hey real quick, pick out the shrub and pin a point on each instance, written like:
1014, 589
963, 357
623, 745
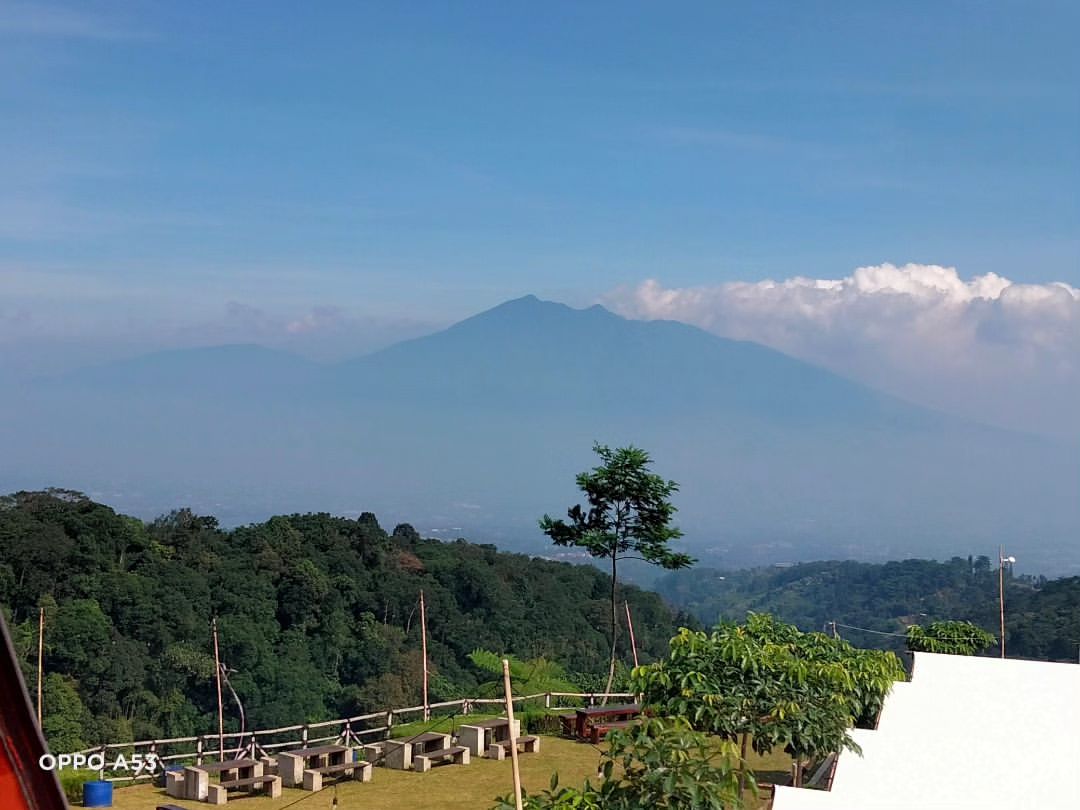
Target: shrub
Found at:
540, 722
656, 765
71, 782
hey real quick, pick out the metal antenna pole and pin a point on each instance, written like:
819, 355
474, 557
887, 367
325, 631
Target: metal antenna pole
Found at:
1001, 594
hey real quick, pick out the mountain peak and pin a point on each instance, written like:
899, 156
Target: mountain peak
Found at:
532, 307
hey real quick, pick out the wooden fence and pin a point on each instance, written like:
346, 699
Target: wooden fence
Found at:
353, 731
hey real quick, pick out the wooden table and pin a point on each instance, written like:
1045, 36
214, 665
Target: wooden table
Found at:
594, 714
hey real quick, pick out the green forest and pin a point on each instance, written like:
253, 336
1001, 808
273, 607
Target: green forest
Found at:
1042, 616
318, 616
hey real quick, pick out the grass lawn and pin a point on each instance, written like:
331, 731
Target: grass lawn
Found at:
447, 787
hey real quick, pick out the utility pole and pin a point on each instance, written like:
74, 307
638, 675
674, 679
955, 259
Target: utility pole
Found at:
1002, 559
220, 707
423, 650
40, 659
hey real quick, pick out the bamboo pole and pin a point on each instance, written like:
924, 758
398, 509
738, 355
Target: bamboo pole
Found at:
423, 650
513, 735
40, 660
630, 626
220, 708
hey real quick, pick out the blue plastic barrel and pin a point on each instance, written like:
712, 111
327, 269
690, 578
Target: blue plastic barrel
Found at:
97, 794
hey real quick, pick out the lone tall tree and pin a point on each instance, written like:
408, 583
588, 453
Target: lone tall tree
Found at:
628, 515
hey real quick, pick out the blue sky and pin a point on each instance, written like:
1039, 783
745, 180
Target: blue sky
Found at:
174, 167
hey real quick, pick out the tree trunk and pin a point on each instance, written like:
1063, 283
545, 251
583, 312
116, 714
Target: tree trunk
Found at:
742, 764
614, 630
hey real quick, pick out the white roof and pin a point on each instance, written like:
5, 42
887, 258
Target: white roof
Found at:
963, 733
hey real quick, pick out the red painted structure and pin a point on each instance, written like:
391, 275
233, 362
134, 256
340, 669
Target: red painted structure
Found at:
23, 783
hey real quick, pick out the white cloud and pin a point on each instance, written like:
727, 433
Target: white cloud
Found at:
986, 346
318, 319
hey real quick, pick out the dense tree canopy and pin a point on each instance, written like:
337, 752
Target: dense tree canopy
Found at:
768, 682
1042, 617
317, 615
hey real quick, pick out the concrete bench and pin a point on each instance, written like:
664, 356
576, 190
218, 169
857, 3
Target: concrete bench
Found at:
271, 785
458, 754
527, 745
313, 777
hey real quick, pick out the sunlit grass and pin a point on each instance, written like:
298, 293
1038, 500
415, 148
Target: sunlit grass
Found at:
449, 787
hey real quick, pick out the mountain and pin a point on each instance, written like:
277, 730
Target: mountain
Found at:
481, 427
540, 355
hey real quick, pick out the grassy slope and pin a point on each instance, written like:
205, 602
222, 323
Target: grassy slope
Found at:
444, 788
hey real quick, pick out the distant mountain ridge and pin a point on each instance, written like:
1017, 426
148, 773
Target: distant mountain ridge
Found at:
484, 424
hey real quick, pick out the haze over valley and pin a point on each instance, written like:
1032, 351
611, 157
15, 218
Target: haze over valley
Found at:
478, 429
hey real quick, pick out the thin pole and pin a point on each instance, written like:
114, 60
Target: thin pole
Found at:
630, 625
220, 708
40, 659
1001, 594
423, 649
513, 735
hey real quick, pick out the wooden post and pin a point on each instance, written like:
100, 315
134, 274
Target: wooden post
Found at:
423, 650
630, 626
40, 658
513, 735
220, 707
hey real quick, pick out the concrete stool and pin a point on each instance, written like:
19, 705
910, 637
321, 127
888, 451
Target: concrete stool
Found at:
274, 790
216, 794
174, 784
291, 769
196, 783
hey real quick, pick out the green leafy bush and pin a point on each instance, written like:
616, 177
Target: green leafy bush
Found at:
953, 638
541, 721
655, 765
71, 782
